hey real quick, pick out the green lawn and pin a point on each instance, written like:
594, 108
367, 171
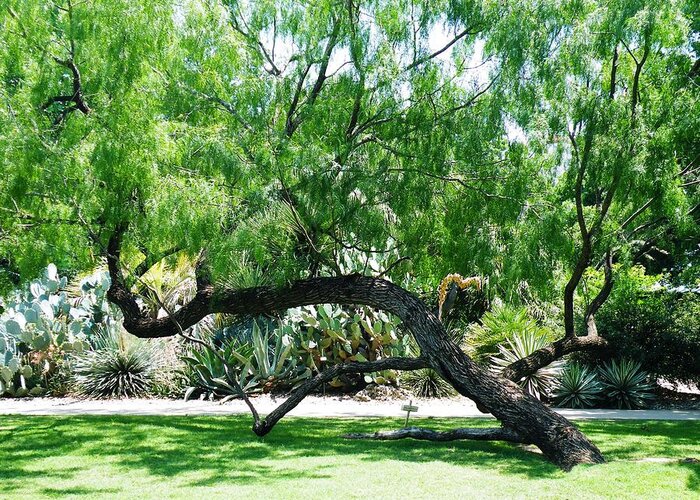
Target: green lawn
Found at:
205, 457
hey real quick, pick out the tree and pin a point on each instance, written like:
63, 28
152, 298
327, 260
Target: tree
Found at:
272, 139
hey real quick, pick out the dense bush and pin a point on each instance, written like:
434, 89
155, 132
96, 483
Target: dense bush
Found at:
655, 325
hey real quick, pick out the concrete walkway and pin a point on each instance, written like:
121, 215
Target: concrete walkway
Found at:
312, 406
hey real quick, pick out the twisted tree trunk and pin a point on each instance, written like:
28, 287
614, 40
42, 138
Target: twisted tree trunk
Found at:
560, 441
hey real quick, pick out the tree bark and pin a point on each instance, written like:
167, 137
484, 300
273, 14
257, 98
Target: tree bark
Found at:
493, 434
546, 355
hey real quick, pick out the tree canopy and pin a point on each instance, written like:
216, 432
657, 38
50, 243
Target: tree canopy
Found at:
280, 135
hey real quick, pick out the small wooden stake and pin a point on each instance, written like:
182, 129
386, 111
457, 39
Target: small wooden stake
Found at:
408, 409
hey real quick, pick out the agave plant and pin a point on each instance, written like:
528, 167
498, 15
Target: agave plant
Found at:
117, 366
519, 346
274, 366
221, 371
249, 367
625, 385
578, 387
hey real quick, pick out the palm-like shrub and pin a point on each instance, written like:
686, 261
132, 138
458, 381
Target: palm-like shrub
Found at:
540, 383
117, 366
426, 383
497, 327
578, 387
625, 384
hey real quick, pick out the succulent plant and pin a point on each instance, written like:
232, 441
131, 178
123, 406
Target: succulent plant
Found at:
117, 366
578, 387
538, 384
43, 321
625, 384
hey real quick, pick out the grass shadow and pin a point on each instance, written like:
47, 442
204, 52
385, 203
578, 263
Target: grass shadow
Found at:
224, 449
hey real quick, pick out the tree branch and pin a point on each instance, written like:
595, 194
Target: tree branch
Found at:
494, 434
404, 364
543, 357
466, 31
602, 296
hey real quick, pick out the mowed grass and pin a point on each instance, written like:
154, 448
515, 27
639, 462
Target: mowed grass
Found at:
219, 457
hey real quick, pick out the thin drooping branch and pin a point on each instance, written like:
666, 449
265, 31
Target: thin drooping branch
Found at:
469, 30
613, 73
493, 434
293, 114
255, 44
637, 213
635, 84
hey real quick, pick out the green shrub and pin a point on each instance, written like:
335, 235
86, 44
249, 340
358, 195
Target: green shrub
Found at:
578, 387
521, 345
118, 366
658, 327
497, 327
625, 385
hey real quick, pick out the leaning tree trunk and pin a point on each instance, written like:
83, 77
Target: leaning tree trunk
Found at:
559, 439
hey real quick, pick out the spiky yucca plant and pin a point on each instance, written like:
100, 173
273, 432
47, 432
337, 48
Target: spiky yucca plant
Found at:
578, 387
519, 346
625, 384
426, 383
116, 367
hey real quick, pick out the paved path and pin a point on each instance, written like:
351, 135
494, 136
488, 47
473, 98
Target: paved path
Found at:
311, 407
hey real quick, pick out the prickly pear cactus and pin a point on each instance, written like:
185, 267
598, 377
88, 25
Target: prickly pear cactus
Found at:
43, 322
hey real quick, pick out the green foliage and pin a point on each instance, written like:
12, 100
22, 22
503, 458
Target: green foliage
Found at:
117, 367
279, 165
521, 345
500, 325
426, 383
625, 384
577, 387
201, 138
646, 321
